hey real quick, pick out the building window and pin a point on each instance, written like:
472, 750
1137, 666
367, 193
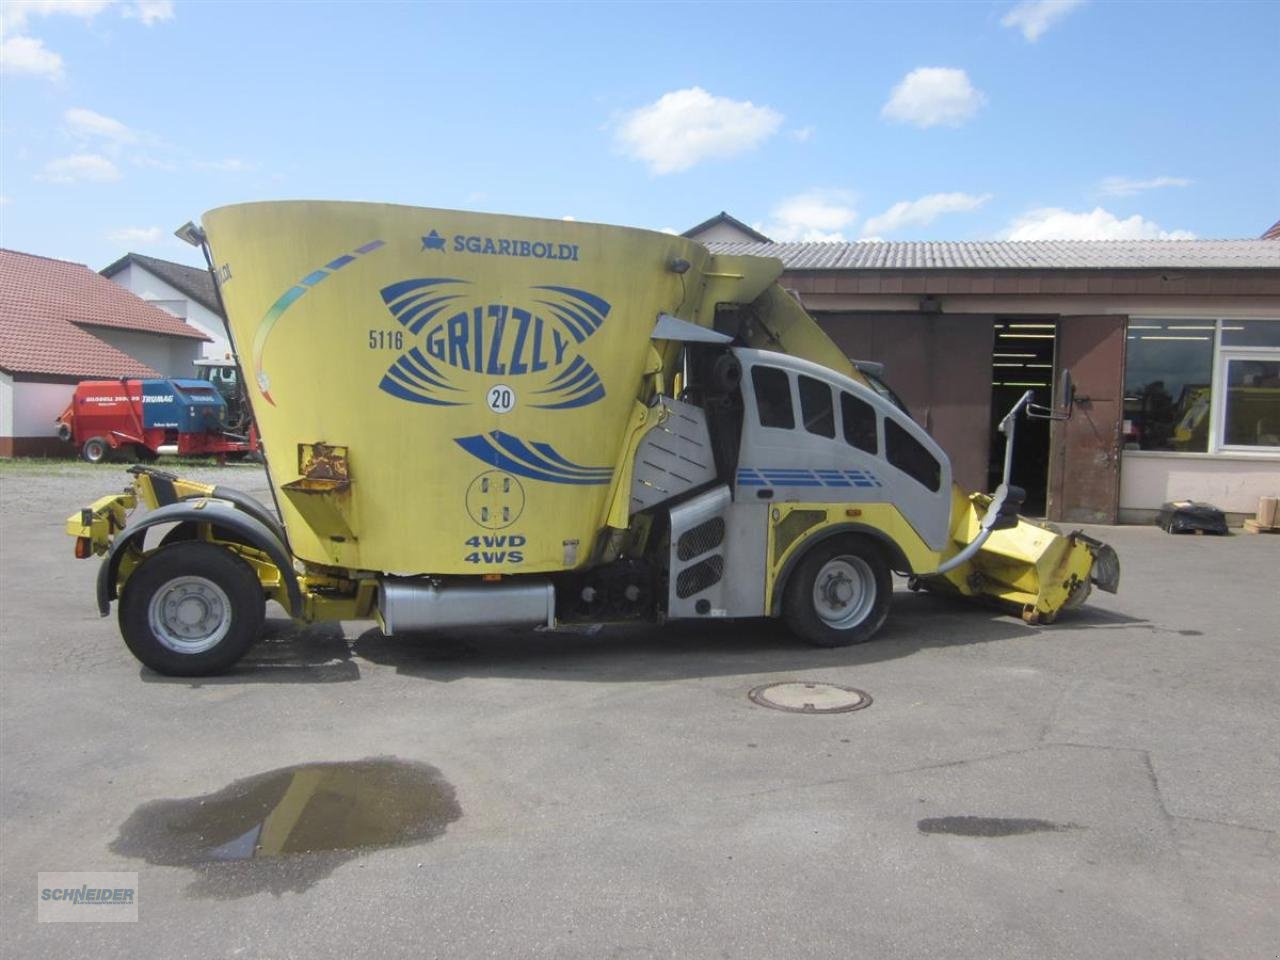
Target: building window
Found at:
773, 397
1202, 386
1251, 402
1167, 380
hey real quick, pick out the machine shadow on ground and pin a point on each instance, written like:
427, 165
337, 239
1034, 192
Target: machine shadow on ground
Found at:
321, 653
288, 652
680, 651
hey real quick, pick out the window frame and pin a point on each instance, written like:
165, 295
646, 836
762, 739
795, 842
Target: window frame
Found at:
1216, 447
1218, 408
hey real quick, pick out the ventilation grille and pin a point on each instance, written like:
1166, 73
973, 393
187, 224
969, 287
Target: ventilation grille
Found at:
790, 529
703, 574
698, 540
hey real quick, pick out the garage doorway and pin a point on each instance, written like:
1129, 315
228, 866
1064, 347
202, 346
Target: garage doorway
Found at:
1022, 359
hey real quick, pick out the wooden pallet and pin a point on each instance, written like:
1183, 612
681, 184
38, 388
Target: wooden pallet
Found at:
1253, 526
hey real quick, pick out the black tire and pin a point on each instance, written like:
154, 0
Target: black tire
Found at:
844, 572
144, 454
95, 450
64, 432
184, 581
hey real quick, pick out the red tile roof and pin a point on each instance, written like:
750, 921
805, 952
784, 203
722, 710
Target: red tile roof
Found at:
48, 309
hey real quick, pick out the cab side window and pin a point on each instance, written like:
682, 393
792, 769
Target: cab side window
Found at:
773, 397
816, 408
859, 423
909, 455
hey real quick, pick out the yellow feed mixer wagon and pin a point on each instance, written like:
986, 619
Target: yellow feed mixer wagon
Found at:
473, 420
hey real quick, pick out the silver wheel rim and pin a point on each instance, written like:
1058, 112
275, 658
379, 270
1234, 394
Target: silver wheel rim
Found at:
844, 592
189, 614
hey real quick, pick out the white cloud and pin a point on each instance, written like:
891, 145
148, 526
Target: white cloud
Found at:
570, 217
801, 134
86, 125
27, 55
934, 96
1127, 187
813, 215
22, 54
685, 127
1053, 223
149, 11
136, 235
5, 200
1035, 17
917, 213
14, 14
671, 230
78, 167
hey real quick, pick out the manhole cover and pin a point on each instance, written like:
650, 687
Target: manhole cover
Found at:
801, 696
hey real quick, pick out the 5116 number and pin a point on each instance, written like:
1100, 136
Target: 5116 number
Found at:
386, 339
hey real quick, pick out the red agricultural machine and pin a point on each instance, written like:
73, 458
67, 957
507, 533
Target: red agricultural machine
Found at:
144, 418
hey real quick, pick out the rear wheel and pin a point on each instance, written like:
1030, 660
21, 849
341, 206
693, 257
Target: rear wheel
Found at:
840, 593
191, 609
94, 450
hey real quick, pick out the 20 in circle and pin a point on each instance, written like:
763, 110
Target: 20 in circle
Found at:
501, 398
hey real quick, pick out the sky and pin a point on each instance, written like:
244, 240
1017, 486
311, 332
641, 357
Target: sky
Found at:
120, 121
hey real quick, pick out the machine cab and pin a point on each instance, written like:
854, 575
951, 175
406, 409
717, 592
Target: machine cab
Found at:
812, 435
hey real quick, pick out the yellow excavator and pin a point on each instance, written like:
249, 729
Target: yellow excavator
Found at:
473, 420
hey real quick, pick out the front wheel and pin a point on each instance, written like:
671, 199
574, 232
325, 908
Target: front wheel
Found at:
191, 609
840, 593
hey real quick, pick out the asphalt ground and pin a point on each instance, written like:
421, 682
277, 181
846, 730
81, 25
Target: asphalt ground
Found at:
1104, 787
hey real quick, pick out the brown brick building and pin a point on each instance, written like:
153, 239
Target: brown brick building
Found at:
1174, 347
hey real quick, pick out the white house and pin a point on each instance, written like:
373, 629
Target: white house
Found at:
61, 323
186, 292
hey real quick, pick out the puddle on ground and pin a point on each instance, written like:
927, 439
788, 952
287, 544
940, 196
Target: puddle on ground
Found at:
990, 826
285, 829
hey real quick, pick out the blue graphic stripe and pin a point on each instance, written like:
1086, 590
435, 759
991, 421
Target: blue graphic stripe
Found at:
397, 390
599, 307
411, 317
567, 371
483, 449
582, 401
589, 384
406, 369
796, 477
397, 290
516, 447
586, 372
578, 330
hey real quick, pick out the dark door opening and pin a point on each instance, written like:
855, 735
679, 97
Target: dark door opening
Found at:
1022, 360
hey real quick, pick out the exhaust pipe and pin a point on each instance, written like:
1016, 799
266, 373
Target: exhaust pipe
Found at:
407, 605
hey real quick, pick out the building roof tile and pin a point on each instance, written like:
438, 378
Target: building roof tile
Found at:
49, 308
195, 282
1017, 255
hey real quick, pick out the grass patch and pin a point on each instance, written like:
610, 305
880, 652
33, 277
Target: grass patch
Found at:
66, 467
